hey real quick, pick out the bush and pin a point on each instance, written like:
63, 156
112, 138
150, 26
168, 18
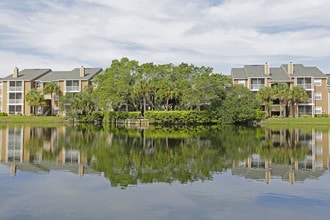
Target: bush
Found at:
169, 117
182, 117
3, 114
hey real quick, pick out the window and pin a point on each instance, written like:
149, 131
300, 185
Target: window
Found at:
0, 97
15, 97
306, 83
72, 86
317, 82
38, 84
256, 84
318, 109
318, 96
241, 82
15, 86
15, 109
1, 83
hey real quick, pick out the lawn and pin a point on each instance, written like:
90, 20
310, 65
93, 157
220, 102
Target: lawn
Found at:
31, 119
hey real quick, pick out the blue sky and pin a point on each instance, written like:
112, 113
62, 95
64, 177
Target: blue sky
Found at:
65, 34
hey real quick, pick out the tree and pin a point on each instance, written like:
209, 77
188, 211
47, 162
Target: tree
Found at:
114, 87
78, 103
265, 95
34, 98
282, 93
240, 106
51, 88
297, 94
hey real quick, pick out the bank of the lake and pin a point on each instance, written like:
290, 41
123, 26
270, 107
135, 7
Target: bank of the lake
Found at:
32, 119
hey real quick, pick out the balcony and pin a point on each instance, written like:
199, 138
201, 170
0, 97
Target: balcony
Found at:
256, 87
307, 86
72, 88
18, 89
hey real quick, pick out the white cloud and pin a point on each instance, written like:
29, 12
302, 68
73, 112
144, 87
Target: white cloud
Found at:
221, 34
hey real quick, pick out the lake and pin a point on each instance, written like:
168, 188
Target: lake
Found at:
226, 172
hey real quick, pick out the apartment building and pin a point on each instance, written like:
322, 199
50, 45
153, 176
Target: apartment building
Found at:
311, 79
14, 88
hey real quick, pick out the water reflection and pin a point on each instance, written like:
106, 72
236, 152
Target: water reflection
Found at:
130, 157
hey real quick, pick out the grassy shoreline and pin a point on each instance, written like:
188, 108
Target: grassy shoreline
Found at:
32, 119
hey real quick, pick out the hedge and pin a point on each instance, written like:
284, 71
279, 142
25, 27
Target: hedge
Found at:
169, 117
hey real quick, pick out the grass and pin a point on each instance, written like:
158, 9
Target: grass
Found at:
31, 119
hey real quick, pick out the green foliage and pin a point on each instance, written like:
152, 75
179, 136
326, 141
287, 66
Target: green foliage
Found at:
181, 117
240, 106
128, 86
3, 114
34, 98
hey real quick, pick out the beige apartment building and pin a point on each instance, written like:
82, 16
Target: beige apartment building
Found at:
311, 79
14, 88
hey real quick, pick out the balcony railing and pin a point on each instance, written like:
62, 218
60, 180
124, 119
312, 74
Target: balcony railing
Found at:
16, 88
305, 85
15, 101
72, 88
256, 86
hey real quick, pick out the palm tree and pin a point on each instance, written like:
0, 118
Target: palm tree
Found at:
265, 95
282, 92
51, 88
34, 98
298, 94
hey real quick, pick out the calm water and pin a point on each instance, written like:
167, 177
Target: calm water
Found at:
164, 173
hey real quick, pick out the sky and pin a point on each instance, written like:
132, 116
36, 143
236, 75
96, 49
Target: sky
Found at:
222, 34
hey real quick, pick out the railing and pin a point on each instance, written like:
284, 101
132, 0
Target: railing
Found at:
256, 86
72, 88
16, 88
15, 101
305, 85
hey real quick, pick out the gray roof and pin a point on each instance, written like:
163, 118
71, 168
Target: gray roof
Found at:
70, 75
255, 71
28, 74
301, 70
277, 75
238, 73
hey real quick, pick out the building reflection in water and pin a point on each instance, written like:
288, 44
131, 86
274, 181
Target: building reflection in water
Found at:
299, 156
292, 156
37, 150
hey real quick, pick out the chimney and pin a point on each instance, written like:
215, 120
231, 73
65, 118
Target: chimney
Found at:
290, 68
82, 71
266, 68
15, 73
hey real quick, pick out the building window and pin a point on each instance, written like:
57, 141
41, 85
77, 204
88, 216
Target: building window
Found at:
306, 83
317, 82
72, 86
1, 83
318, 109
0, 97
318, 96
15, 109
15, 98
15, 86
38, 84
257, 84
241, 82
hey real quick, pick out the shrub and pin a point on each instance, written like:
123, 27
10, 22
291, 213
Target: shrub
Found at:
3, 114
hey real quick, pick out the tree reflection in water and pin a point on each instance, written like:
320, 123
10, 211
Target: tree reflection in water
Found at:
176, 154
